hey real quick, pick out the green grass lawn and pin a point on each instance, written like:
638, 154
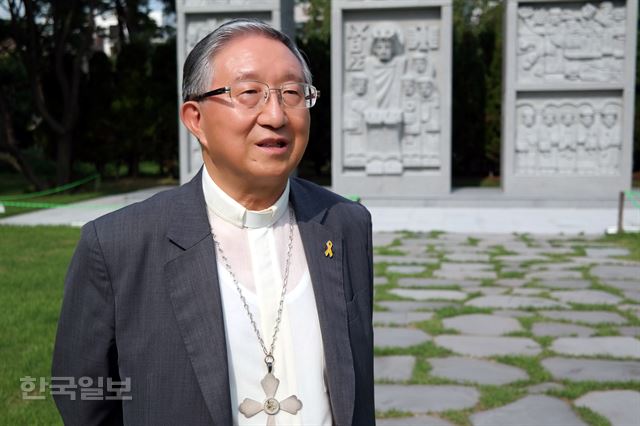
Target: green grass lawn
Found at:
33, 262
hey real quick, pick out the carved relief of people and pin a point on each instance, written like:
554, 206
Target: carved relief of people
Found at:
384, 67
526, 140
419, 65
429, 121
568, 139
411, 138
610, 140
548, 140
571, 43
355, 103
587, 141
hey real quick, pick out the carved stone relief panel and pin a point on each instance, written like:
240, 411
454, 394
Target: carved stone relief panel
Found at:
391, 101
571, 42
197, 29
563, 135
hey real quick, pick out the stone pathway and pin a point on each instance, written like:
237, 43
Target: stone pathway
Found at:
505, 330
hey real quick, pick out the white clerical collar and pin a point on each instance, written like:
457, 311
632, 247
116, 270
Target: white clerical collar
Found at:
228, 209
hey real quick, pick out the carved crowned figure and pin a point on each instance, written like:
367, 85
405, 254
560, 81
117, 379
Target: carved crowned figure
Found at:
384, 67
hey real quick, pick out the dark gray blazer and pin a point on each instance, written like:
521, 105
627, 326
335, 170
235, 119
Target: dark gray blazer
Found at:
141, 300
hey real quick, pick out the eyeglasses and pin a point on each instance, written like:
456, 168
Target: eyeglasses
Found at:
255, 94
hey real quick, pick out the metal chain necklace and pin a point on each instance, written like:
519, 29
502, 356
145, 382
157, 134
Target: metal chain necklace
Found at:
271, 406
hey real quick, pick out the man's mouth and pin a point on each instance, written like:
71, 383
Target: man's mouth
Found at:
272, 143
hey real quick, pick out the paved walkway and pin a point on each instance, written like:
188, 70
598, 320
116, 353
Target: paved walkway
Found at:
505, 330
458, 218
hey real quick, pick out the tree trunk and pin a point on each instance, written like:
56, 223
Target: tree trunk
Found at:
63, 163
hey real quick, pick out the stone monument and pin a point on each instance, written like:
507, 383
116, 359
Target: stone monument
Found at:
391, 99
568, 98
196, 19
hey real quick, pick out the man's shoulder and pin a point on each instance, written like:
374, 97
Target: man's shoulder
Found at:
316, 197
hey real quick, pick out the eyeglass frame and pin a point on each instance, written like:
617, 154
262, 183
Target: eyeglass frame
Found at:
227, 89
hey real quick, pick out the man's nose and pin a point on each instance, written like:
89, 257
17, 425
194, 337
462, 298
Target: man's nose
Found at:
272, 113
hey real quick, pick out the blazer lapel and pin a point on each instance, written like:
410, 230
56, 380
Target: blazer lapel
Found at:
328, 285
191, 277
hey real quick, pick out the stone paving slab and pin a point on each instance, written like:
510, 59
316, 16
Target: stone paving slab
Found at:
384, 238
600, 252
532, 410
570, 284
620, 407
632, 295
467, 257
435, 282
581, 370
405, 269
482, 324
553, 266
479, 371
558, 329
380, 281
521, 258
429, 294
425, 398
555, 275
586, 297
486, 290
631, 285
404, 260
456, 275
528, 291
449, 266
400, 318
514, 302
615, 346
629, 331
484, 346
409, 306
386, 337
512, 313
587, 317
396, 368
511, 282
620, 272
424, 420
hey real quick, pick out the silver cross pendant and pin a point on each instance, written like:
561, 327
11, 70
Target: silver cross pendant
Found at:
271, 406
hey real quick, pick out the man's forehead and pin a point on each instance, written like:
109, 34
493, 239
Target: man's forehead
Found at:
253, 74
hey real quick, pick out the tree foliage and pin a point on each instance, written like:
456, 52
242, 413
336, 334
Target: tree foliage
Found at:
85, 107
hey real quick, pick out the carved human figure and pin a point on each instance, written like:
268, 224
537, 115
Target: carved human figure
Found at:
568, 139
384, 67
526, 140
429, 121
548, 140
529, 46
411, 137
197, 30
554, 45
610, 140
354, 128
419, 65
587, 141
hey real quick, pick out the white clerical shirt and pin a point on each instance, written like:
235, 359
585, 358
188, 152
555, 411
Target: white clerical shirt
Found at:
255, 244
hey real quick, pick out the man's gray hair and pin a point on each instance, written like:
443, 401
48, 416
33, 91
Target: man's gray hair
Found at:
198, 67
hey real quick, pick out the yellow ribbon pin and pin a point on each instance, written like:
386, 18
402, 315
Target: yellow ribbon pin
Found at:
328, 252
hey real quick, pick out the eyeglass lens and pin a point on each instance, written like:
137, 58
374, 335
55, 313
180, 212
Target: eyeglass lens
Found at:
252, 93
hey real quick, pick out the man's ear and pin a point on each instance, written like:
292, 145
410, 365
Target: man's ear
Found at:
191, 117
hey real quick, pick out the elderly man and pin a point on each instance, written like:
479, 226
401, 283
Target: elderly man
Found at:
243, 297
